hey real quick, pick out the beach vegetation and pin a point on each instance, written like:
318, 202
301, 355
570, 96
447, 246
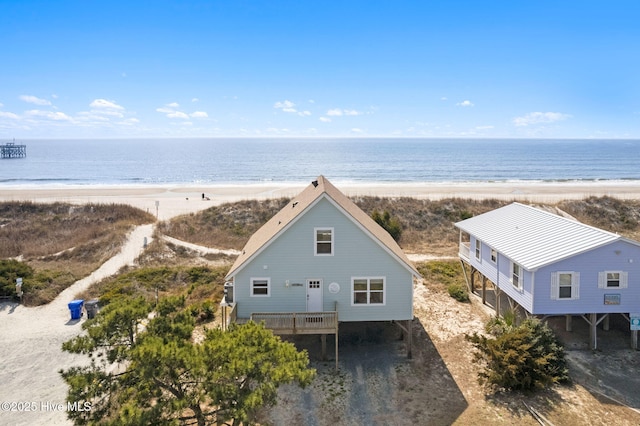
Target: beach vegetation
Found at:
147, 369
521, 356
10, 269
201, 286
63, 242
389, 223
448, 274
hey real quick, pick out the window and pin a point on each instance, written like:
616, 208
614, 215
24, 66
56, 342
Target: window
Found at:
323, 241
260, 287
478, 249
565, 285
368, 291
613, 279
516, 275
494, 256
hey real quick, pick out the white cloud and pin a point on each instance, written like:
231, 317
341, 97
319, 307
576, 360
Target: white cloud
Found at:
484, 127
285, 106
465, 103
164, 110
539, 118
9, 115
103, 104
337, 112
195, 100
304, 113
325, 119
173, 105
34, 100
199, 114
178, 114
50, 115
356, 130
444, 98
1, 105
130, 121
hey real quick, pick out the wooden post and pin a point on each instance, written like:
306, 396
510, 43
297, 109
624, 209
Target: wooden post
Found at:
484, 290
323, 341
634, 339
568, 322
497, 294
409, 338
605, 324
593, 331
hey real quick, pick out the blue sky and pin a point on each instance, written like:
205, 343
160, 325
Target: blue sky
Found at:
129, 69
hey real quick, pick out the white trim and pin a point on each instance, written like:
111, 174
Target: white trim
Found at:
555, 285
491, 253
316, 242
368, 292
477, 250
520, 285
251, 288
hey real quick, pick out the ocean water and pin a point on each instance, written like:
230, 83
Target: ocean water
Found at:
249, 161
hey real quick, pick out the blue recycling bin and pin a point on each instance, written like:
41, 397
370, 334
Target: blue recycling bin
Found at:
75, 307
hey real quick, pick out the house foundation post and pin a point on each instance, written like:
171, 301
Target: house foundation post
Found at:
634, 339
593, 335
568, 319
323, 342
409, 338
605, 323
484, 290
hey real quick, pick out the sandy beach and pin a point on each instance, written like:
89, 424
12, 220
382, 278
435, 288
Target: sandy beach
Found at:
170, 201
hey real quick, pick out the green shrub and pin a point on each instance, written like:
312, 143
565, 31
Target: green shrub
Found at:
519, 357
390, 224
458, 291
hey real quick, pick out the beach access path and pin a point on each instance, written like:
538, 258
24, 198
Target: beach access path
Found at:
31, 349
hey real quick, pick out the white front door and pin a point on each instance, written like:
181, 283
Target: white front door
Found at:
314, 295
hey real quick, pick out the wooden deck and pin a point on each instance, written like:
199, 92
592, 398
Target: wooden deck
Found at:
298, 322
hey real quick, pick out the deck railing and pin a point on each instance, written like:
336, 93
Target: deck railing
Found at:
464, 250
298, 322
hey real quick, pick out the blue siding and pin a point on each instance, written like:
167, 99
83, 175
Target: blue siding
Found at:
291, 258
617, 256
499, 273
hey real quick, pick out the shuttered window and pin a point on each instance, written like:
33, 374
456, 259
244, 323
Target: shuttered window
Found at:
565, 285
613, 279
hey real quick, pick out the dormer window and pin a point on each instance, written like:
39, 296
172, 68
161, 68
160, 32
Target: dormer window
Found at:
323, 241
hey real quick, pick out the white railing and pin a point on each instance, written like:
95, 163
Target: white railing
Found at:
297, 322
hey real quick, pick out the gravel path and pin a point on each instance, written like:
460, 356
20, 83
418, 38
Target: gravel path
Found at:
31, 353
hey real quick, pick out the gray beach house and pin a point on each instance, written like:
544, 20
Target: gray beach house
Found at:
321, 260
552, 265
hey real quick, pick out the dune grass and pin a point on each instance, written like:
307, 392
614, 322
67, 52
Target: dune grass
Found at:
63, 242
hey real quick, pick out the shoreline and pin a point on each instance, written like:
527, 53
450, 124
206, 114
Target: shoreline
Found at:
178, 199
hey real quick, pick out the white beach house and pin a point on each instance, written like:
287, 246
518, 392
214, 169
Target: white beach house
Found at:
321, 260
552, 265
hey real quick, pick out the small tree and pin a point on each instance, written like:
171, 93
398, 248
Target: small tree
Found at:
154, 373
521, 356
390, 224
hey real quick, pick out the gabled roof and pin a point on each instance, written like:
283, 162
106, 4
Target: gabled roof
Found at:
299, 206
534, 238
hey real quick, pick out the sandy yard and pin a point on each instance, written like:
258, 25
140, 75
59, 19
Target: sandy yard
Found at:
31, 350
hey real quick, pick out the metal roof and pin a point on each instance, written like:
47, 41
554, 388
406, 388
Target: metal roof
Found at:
532, 237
